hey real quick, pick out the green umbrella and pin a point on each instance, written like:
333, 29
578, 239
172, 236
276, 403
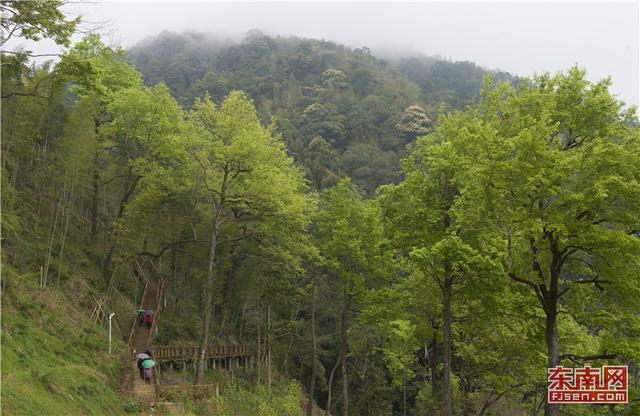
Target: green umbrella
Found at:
148, 363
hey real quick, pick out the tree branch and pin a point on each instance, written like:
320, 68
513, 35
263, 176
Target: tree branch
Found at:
522, 280
576, 358
35, 89
167, 246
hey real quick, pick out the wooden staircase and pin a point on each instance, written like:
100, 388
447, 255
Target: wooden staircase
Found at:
140, 338
228, 356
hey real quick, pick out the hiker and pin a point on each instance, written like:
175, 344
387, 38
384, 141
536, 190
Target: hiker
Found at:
141, 358
141, 315
148, 319
140, 368
148, 364
147, 375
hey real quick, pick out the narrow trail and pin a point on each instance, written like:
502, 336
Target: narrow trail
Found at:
227, 356
140, 339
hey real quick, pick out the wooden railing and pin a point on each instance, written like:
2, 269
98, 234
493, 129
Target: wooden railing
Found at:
140, 271
159, 295
169, 353
158, 308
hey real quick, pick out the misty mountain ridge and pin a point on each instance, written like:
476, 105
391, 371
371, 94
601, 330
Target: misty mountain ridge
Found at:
341, 111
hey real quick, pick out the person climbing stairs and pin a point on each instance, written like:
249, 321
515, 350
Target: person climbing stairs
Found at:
142, 335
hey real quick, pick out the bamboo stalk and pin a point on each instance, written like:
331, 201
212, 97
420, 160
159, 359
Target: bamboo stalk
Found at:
53, 231
66, 225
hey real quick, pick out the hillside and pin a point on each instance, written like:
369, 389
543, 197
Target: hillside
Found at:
55, 358
364, 253
341, 112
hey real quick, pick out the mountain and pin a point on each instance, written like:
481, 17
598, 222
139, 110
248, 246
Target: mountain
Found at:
341, 111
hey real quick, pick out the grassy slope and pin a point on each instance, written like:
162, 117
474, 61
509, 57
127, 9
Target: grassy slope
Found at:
54, 359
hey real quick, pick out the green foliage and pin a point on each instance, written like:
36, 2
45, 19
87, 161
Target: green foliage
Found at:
557, 160
540, 184
536, 186
282, 400
236, 155
315, 89
36, 20
98, 70
349, 235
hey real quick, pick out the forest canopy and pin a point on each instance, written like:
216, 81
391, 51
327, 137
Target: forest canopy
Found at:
404, 237
341, 112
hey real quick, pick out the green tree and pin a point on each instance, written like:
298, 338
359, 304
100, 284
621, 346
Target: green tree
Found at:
243, 168
348, 233
98, 73
322, 162
553, 172
324, 121
36, 20
146, 146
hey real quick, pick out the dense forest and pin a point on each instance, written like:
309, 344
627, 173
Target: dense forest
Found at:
407, 237
341, 112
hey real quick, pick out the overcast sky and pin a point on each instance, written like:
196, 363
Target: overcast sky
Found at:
519, 37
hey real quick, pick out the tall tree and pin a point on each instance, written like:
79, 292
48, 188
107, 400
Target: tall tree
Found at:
146, 144
554, 173
348, 233
426, 232
243, 168
97, 73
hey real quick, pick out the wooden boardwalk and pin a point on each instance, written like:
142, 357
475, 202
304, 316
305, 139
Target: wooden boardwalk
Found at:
140, 339
179, 353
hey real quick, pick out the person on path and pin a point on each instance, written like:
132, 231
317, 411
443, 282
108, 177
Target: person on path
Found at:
148, 319
147, 374
141, 358
141, 315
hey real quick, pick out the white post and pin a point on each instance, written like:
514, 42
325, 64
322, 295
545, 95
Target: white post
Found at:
110, 316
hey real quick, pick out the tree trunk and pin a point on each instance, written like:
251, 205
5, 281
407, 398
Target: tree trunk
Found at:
447, 347
208, 304
345, 386
433, 369
174, 267
314, 353
94, 201
464, 389
269, 347
259, 356
551, 338
404, 394
107, 264
95, 183
550, 307
227, 290
343, 364
365, 382
330, 384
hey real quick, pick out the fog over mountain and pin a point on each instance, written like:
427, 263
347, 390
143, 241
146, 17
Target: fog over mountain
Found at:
521, 38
